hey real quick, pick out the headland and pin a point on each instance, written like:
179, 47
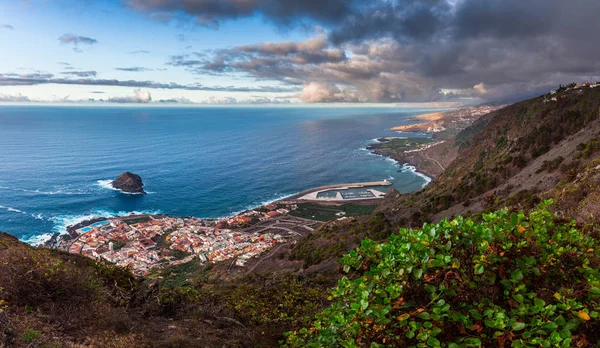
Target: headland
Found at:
430, 146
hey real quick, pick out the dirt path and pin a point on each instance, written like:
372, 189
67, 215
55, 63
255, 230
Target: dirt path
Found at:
431, 159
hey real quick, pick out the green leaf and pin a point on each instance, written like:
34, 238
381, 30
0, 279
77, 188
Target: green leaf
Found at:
519, 298
479, 268
564, 333
550, 325
539, 302
518, 326
475, 314
418, 273
433, 342
517, 275
425, 316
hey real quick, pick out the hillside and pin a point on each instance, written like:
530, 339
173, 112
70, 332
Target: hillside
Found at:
514, 156
53, 299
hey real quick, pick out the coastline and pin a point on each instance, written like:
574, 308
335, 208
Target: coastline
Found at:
432, 156
406, 164
411, 162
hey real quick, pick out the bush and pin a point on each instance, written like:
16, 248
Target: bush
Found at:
512, 280
31, 335
551, 165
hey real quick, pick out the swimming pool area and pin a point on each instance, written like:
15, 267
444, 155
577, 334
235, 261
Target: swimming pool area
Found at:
100, 223
95, 224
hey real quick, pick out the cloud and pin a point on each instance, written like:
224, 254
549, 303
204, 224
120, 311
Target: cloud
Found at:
76, 40
7, 26
139, 52
283, 12
232, 101
179, 100
319, 92
41, 78
403, 51
80, 73
64, 63
219, 100
14, 98
139, 96
480, 88
134, 69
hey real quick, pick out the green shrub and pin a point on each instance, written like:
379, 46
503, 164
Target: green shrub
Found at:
551, 165
512, 280
31, 335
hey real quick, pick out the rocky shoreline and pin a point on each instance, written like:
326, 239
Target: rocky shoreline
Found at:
412, 159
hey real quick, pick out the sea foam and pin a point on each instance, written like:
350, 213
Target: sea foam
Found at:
107, 184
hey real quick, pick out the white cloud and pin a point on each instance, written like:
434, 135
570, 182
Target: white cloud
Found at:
138, 97
319, 92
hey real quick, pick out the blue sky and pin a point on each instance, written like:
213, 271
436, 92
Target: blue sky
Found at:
125, 39
298, 51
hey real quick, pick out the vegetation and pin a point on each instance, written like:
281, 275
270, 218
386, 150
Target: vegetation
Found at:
586, 150
137, 220
329, 243
515, 279
330, 212
117, 244
550, 166
403, 144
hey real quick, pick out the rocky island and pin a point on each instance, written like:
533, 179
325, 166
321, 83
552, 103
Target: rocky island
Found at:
129, 183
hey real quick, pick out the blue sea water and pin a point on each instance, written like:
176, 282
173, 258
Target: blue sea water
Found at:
56, 162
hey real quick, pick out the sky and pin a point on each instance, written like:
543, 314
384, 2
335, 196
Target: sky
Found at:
426, 52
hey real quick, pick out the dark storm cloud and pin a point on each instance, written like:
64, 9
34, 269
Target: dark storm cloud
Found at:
405, 50
134, 69
408, 20
262, 59
40, 79
80, 73
212, 12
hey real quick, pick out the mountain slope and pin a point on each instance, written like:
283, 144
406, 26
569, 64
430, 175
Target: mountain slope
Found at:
526, 148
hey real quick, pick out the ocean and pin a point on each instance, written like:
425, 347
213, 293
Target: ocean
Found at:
56, 162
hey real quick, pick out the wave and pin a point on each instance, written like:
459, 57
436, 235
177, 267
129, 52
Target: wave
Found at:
19, 211
42, 192
38, 239
412, 169
61, 222
107, 184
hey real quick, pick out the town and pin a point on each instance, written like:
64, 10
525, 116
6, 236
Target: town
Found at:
574, 87
148, 242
